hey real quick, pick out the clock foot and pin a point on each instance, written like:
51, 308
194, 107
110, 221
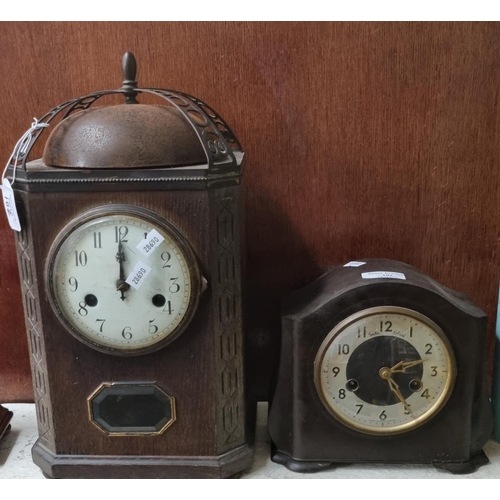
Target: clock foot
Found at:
300, 465
464, 467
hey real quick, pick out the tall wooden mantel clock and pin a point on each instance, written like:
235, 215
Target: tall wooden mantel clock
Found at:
130, 262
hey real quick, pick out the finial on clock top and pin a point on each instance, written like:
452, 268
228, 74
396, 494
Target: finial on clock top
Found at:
129, 67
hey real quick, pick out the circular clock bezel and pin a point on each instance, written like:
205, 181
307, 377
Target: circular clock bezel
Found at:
147, 216
401, 428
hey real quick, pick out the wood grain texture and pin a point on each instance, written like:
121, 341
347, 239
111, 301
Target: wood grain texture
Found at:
202, 369
362, 140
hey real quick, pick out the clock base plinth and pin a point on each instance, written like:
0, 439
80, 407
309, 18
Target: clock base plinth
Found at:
464, 467
311, 466
224, 466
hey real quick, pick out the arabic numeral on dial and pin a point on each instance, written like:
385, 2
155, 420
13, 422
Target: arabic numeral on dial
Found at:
83, 308
341, 393
343, 349
434, 371
383, 415
97, 240
126, 333
168, 307
174, 287
165, 257
406, 412
120, 233
80, 258
102, 324
429, 348
359, 408
336, 371
362, 334
388, 326
73, 282
152, 328
425, 394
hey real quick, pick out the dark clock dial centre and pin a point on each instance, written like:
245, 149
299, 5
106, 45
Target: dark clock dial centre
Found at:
374, 356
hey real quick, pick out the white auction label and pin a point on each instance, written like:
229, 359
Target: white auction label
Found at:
10, 205
149, 244
138, 275
383, 274
354, 263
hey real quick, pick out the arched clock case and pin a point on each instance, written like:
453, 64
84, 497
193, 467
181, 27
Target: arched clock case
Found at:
380, 363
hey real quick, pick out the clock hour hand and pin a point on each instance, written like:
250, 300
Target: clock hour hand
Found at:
122, 285
403, 365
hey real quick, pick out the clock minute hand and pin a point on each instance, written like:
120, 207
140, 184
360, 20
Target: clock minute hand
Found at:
395, 388
122, 285
386, 374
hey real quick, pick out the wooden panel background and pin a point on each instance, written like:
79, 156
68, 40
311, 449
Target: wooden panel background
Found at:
362, 140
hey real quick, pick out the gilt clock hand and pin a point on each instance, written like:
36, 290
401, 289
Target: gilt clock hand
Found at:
404, 365
122, 285
386, 373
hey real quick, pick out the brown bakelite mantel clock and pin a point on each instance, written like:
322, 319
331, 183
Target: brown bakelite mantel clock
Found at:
130, 260
380, 363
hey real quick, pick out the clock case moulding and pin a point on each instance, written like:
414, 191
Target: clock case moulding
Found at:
307, 438
182, 162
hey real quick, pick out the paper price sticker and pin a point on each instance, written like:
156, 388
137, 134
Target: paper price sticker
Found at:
136, 278
383, 274
10, 205
150, 243
354, 263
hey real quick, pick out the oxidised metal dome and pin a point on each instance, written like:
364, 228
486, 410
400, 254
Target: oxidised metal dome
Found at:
186, 132
124, 136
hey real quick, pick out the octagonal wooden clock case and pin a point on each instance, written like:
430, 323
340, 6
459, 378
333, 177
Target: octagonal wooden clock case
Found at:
130, 263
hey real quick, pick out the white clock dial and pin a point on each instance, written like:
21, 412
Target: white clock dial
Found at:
112, 295
385, 370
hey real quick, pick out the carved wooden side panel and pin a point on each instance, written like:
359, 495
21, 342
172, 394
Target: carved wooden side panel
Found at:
31, 302
228, 328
